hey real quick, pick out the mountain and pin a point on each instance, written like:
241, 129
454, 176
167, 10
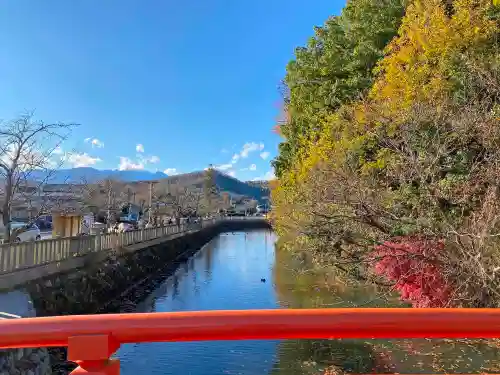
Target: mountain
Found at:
259, 184
92, 175
236, 187
225, 184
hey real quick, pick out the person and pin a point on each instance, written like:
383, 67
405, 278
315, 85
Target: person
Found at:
140, 224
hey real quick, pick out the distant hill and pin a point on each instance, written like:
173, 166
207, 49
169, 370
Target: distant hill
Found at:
260, 184
233, 185
224, 182
92, 175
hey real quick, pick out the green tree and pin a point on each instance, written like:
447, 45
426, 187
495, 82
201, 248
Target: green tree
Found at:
333, 69
210, 192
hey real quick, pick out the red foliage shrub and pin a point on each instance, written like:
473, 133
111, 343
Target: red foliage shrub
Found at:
413, 265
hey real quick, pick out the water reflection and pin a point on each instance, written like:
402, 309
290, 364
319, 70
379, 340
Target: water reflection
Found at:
314, 356
224, 275
298, 288
227, 273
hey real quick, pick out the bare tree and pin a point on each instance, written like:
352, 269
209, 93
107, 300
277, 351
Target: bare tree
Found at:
181, 201
26, 146
107, 195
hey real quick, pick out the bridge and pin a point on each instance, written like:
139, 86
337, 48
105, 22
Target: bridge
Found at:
27, 261
92, 339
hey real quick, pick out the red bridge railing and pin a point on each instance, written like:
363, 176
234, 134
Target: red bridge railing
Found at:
92, 339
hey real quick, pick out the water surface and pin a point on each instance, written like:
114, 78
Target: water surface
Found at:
227, 274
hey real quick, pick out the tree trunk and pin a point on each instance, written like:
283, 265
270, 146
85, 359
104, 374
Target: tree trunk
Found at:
6, 221
6, 207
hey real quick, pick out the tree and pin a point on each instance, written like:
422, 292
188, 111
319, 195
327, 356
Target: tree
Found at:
107, 195
226, 200
26, 145
180, 201
399, 187
333, 69
210, 193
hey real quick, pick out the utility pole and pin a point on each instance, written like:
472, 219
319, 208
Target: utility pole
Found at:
151, 183
108, 220
129, 204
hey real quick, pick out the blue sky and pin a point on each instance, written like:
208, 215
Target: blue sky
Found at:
160, 85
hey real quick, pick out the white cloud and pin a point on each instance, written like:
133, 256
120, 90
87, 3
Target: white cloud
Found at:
97, 143
251, 147
264, 155
171, 171
29, 157
128, 165
139, 148
154, 159
94, 142
52, 163
247, 148
253, 167
79, 160
232, 173
223, 167
57, 151
268, 176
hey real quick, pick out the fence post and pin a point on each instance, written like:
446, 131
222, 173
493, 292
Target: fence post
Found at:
30, 256
98, 241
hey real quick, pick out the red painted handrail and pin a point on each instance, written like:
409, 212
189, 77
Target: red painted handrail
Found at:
91, 339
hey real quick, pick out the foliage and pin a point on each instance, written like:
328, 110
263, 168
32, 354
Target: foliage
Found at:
416, 156
333, 69
413, 265
210, 192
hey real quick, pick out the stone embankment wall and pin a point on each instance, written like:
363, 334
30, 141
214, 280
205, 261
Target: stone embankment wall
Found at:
121, 278
25, 362
21, 361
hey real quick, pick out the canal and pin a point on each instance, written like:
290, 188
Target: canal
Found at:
243, 270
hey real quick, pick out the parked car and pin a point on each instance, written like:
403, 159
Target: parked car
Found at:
43, 224
25, 232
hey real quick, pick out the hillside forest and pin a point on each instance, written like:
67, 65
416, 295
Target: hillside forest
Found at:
388, 172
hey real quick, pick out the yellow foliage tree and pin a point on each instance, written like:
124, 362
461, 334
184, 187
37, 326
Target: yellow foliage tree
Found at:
418, 65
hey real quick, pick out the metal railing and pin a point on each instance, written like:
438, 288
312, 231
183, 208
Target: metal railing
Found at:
17, 256
92, 339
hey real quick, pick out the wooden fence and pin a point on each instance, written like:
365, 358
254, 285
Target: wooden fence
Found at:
16, 256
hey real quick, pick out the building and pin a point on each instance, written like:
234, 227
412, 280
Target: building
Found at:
32, 199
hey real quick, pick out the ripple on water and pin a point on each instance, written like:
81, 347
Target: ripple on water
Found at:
227, 273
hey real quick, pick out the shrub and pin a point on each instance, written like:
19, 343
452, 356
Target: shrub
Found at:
413, 265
